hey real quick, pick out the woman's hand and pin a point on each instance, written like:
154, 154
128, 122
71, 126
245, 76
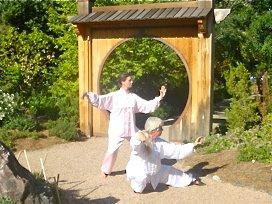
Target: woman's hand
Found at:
142, 136
198, 141
162, 91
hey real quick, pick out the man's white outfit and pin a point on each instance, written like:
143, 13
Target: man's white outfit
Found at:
145, 166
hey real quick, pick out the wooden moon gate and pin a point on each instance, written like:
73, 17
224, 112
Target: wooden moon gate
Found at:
187, 27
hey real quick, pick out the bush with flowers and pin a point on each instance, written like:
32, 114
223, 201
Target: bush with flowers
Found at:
7, 104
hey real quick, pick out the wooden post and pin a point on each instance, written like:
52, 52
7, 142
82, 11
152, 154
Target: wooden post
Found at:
205, 3
84, 55
85, 82
84, 7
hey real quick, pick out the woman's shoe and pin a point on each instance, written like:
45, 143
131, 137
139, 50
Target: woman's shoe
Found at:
104, 175
198, 182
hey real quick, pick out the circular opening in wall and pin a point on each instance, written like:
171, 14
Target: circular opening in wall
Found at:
152, 63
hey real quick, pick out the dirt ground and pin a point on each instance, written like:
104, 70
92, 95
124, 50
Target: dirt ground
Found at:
219, 166
226, 166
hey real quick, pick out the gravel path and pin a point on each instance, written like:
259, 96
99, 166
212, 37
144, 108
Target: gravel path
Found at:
78, 164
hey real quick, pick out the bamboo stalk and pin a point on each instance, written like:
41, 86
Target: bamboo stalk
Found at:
27, 162
44, 159
44, 175
19, 154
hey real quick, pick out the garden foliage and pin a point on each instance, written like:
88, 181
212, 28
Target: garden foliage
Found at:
38, 65
6, 200
243, 72
39, 72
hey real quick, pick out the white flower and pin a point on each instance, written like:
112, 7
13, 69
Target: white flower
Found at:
7, 104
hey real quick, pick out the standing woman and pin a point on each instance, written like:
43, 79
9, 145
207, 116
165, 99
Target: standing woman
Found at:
122, 105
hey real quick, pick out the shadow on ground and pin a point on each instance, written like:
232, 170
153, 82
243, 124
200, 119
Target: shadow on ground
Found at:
72, 195
199, 171
78, 200
118, 173
160, 188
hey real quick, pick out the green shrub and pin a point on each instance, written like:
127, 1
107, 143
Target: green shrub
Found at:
243, 112
6, 138
9, 136
6, 200
237, 81
25, 134
253, 144
257, 142
22, 123
41, 104
217, 143
63, 128
260, 153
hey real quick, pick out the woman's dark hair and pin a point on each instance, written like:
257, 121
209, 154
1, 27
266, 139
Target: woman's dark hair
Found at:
123, 77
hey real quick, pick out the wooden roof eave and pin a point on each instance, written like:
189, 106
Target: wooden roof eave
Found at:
197, 21
148, 6
186, 22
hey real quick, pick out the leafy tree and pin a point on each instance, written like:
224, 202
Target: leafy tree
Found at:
243, 37
25, 15
64, 89
243, 111
262, 6
24, 70
257, 47
230, 35
39, 57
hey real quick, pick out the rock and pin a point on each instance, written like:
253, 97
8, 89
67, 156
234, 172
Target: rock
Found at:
216, 178
18, 183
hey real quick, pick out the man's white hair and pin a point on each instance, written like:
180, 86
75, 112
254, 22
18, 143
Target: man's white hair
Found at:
152, 123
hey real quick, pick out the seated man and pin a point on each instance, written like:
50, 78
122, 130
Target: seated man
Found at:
148, 149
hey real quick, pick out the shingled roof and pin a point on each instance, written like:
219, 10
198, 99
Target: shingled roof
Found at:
139, 14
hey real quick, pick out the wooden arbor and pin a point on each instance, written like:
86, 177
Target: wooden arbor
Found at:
187, 27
